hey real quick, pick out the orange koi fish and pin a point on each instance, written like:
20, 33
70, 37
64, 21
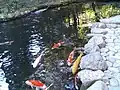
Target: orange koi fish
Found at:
70, 58
57, 45
38, 84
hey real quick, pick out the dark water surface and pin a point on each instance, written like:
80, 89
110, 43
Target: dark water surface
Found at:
31, 35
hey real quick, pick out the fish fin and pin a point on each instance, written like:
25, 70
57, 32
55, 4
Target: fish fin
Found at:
49, 86
32, 87
37, 88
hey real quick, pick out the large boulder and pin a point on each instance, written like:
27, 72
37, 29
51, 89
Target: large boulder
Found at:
93, 61
88, 76
94, 44
98, 85
91, 48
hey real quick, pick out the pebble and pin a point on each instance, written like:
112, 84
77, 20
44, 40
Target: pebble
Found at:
117, 41
114, 82
109, 40
117, 47
109, 63
117, 76
104, 50
114, 70
116, 63
114, 88
111, 59
111, 53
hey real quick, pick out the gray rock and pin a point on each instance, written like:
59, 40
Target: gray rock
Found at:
99, 30
114, 70
88, 76
104, 50
98, 85
111, 53
111, 26
117, 44
117, 55
104, 58
98, 41
111, 31
104, 54
116, 63
117, 41
93, 61
109, 40
91, 48
98, 35
108, 74
117, 47
117, 76
109, 64
114, 88
94, 44
114, 82
113, 20
110, 45
98, 25
111, 58
111, 48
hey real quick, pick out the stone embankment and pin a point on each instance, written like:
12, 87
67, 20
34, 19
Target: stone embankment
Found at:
101, 64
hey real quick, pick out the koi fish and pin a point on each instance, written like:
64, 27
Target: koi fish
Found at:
70, 58
57, 45
38, 59
76, 63
38, 84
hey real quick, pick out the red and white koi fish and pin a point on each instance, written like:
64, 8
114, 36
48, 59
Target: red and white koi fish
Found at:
38, 59
38, 84
70, 58
57, 45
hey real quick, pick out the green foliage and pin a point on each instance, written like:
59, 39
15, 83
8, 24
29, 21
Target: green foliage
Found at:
107, 11
87, 15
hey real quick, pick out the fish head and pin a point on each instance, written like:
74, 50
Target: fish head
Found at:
28, 83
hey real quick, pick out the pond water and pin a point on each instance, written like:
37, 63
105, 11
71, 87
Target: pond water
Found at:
30, 36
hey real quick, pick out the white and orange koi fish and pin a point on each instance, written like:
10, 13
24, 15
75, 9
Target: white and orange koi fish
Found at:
38, 59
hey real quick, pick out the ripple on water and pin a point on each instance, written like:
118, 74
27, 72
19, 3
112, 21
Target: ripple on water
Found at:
3, 84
